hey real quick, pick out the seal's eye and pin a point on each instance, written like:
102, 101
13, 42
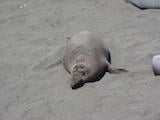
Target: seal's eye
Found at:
83, 73
81, 67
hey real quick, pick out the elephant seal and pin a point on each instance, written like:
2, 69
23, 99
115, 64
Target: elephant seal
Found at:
145, 4
87, 59
156, 64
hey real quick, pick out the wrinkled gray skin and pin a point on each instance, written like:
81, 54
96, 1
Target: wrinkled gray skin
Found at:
145, 4
87, 59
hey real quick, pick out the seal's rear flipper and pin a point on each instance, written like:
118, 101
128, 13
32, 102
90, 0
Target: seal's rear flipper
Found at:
113, 70
121, 70
116, 70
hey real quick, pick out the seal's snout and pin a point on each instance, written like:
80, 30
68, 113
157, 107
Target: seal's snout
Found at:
77, 84
78, 76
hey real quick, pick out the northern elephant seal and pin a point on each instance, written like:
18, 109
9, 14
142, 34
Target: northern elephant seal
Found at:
145, 4
87, 59
156, 64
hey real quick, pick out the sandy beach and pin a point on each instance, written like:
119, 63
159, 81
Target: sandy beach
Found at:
34, 87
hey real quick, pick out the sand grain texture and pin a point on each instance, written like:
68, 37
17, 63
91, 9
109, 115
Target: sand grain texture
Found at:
34, 86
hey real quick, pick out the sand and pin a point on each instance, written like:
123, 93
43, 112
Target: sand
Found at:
33, 86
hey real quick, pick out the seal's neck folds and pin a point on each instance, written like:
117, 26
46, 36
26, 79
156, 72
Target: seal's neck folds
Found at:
79, 68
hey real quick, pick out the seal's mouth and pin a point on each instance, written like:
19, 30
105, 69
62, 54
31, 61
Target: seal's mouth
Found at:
79, 84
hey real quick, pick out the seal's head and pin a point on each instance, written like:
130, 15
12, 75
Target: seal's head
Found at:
79, 76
